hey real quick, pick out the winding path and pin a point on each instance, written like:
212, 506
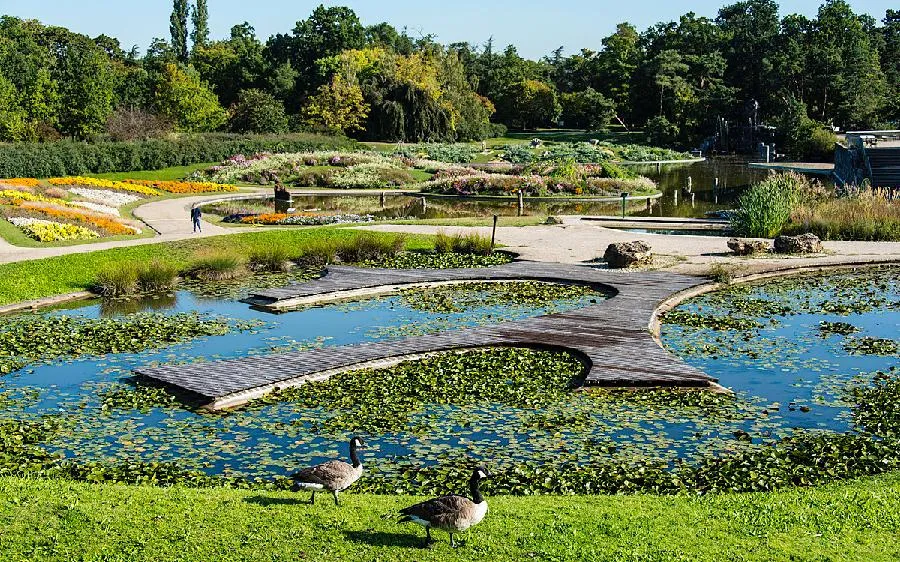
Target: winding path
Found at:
611, 337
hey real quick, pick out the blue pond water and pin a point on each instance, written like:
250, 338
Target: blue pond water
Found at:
785, 373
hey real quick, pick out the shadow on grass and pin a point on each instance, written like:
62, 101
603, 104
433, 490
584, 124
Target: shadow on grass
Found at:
381, 538
267, 501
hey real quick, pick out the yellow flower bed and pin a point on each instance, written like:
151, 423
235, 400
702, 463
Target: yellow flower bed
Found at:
20, 182
185, 186
105, 184
15, 197
107, 224
56, 232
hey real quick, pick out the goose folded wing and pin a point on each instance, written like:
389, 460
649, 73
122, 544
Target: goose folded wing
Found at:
441, 511
331, 471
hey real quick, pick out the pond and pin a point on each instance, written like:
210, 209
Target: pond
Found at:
256, 441
733, 174
787, 348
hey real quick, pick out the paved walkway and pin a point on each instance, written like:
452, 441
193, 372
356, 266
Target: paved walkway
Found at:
169, 217
578, 241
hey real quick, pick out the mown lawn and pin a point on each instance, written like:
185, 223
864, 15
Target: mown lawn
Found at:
56, 520
174, 173
34, 279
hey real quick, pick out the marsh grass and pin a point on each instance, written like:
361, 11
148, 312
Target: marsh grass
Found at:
869, 215
116, 280
767, 206
369, 247
156, 276
473, 243
216, 266
274, 259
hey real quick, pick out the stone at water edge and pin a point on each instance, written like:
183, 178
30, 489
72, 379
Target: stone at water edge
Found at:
627, 254
803, 244
747, 247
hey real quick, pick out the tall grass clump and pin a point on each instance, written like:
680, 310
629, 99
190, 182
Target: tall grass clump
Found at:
116, 280
217, 266
156, 276
473, 243
767, 206
273, 259
370, 247
318, 253
869, 214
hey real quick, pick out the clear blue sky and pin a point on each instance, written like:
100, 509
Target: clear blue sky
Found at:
536, 27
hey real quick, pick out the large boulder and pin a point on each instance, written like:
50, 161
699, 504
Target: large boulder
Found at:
803, 244
628, 254
747, 247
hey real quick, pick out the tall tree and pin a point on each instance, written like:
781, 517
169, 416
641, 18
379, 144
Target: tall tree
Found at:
750, 29
178, 29
200, 19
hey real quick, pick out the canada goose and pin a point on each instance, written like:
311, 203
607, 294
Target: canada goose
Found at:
452, 513
333, 476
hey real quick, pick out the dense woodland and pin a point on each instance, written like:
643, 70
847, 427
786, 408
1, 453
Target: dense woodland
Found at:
333, 73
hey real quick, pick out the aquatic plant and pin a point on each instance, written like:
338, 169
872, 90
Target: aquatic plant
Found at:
216, 266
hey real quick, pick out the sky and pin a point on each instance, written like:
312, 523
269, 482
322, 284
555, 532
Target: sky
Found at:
536, 27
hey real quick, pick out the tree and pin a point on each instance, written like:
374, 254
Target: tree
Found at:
587, 109
257, 111
84, 74
183, 99
616, 65
13, 126
750, 29
337, 106
178, 29
200, 19
232, 65
534, 104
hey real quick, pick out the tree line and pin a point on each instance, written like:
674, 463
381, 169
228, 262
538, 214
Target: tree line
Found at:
330, 72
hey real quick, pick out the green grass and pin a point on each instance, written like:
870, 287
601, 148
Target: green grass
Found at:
166, 174
57, 520
530, 220
28, 280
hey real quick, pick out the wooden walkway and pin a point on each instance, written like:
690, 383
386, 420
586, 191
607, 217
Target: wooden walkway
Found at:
611, 337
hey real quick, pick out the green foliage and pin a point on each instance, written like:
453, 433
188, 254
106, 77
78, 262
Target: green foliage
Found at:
804, 138
766, 207
836, 328
186, 101
157, 276
216, 266
46, 338
532, 104
369, 247
696, 320
337, 106
257, 111
382, 400
536, 294
871, 346
587, 109
136, 397
66, 159
273, 260
439, 260
116, 281
178, 28
456, 153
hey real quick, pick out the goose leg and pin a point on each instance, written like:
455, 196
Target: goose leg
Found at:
336, 502
312, 499
452, 542
428, 541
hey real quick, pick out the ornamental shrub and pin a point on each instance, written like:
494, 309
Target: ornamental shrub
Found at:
44, 160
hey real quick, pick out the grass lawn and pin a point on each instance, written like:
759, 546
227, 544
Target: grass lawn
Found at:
166, 174
29, 280
57, 520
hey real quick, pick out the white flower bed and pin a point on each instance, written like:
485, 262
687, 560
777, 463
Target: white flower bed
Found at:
28, 221
98, 207
108, 198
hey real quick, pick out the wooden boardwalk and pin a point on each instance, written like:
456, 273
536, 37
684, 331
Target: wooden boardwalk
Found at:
611, 337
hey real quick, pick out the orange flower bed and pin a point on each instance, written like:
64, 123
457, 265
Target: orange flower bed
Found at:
109, 225
21, 182
185, 186
265, 218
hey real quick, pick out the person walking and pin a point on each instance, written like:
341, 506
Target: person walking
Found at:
195, 218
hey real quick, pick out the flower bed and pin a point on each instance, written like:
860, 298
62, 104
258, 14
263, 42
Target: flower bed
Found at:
299, 219
185, 186
49, 231
483, 184
97, 207
20, 182
105, 197
104, 184
105, 224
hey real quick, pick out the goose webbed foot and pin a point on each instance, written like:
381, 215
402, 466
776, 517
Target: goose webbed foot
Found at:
429, 542
453, 543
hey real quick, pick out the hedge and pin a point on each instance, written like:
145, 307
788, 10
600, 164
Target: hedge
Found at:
65, 158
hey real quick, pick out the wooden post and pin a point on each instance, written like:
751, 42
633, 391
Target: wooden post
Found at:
382, 200
676, 196
692, 198
494, 234
716, 192
690, 185
424, 204
624, 199
521, 203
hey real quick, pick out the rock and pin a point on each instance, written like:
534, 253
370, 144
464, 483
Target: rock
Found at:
803, 244
627, 254
746, 247
553, 220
